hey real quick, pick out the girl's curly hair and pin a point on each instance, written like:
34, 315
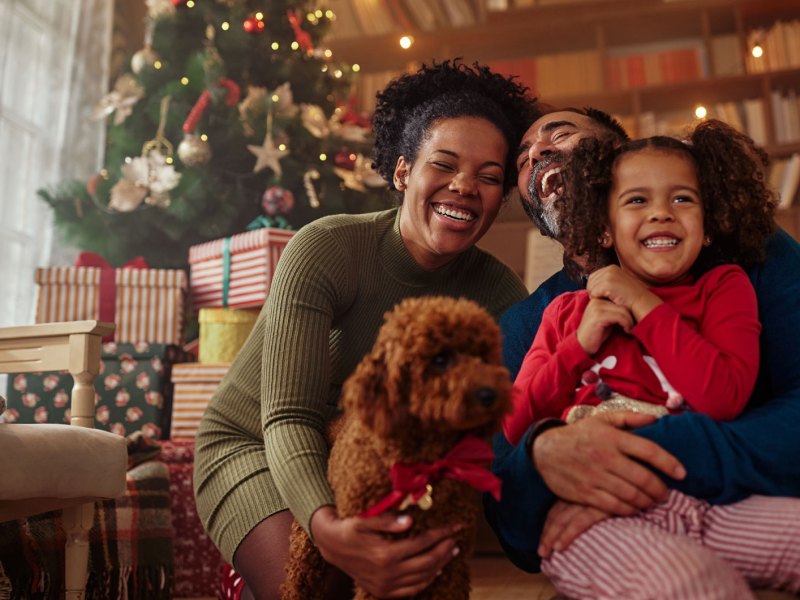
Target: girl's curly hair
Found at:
409, 105
738, 207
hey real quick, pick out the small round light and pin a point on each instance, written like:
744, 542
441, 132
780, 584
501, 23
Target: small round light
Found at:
260, 16
328, 53
275, 97
337, 73
169, 160
352, 156
281, 147
323, 156
318, 13
190, 4
295, 45
311, 17
204, 137
700, 112
406, 41
225, 26
157, 65
356, 68
329, 14
757, 51
324, 68
275, 45
185, 80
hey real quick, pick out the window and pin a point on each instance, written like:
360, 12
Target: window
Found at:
53, 69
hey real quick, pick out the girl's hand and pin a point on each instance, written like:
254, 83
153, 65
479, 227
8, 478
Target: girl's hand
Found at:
623, 289
386, 568
566, 521
598, 319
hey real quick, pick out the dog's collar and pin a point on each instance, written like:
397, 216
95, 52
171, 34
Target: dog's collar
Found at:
411, 481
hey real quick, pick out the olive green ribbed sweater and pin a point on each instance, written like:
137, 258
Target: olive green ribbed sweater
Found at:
261, 445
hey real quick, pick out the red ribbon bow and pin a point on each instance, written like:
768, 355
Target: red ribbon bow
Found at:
465, 462
107, 304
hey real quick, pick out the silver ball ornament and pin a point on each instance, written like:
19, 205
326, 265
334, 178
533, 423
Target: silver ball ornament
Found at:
146, 57
193, 151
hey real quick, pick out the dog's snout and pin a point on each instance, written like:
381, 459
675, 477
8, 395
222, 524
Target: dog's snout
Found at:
486, 396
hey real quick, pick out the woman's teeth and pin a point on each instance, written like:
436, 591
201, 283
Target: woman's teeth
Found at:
454, 213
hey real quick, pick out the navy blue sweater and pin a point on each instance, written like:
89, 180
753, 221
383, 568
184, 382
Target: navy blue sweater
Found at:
758, 453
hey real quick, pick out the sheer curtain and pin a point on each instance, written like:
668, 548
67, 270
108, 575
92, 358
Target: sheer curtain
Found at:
54, 57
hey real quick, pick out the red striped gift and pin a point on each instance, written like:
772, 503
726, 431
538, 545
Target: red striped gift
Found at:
149, 303
236, 272
194, 384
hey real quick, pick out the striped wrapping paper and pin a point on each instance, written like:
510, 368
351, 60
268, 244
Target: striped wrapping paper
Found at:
149, 302
253, 257
194, 383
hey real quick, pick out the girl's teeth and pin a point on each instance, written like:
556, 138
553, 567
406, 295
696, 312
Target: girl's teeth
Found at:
660, 242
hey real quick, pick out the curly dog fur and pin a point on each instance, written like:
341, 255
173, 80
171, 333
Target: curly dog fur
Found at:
433, 376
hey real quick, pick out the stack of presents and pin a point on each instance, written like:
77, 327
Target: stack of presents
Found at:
153, 388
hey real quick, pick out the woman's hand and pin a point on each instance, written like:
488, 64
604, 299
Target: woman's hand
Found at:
596, 463
623, 289
566, 521
598, 319
386, 568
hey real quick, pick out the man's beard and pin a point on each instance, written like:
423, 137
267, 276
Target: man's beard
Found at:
543, 214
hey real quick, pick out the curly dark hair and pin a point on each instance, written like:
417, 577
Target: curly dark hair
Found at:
738, 207
409, 105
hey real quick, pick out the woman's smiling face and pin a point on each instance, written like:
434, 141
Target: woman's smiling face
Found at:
453, 191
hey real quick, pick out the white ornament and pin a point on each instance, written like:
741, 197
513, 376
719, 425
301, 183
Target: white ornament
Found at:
314, 120
151, 175
121, 100
146, 57
126, 196
160, 8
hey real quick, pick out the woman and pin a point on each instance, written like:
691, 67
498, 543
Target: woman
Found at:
443, 140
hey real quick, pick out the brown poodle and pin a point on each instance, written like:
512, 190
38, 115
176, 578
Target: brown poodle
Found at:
433, 379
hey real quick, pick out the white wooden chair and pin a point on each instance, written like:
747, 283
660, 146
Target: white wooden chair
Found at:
66, 467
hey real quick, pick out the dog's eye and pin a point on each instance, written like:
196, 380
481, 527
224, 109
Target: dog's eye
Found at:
440, 361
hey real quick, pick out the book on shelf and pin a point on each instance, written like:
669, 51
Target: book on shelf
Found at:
790, 181
786, 116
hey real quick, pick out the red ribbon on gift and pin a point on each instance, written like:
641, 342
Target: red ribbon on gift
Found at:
465, 462
108, 283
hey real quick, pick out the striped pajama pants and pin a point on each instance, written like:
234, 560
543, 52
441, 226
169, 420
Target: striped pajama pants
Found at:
685, 548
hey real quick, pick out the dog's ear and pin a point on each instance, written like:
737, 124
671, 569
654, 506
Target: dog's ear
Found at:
374, 393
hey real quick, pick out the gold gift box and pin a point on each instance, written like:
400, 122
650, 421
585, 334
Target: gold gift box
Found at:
223, 332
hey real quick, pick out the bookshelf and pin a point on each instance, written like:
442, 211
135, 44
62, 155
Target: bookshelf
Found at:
563, 51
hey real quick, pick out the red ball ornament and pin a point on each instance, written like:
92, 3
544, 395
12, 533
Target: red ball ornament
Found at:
178, 2
277, 200
345, 159
252, 24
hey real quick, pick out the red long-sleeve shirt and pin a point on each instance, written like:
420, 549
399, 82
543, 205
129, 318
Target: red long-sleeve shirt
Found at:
704, 338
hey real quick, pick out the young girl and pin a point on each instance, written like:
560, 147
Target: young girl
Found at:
668, 322
668, 318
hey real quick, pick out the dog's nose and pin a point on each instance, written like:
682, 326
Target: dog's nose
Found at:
486, 396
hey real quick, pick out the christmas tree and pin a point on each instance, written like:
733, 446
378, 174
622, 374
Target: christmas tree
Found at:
232, 115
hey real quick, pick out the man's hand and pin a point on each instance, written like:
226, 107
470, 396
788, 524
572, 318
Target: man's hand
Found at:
565, 522
386, 568
594, 462
623, 289
597, 322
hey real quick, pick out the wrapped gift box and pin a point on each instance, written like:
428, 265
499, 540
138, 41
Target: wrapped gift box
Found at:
236, 272
223, 331
146, 304
195, 383
133, 391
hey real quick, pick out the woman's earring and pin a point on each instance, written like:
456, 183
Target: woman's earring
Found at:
706, 241
399, 185
605, 241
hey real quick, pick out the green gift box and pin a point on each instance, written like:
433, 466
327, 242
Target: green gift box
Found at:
133, 391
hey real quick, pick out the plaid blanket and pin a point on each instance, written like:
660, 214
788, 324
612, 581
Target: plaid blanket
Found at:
131, 541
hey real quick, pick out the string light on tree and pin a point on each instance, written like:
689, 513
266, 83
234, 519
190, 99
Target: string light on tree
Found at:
254, 23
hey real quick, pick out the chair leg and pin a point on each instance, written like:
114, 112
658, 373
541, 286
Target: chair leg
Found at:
77, 522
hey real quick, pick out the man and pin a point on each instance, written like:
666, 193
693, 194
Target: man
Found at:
573, 476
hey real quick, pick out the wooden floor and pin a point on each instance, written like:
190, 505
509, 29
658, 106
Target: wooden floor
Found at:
495, 578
